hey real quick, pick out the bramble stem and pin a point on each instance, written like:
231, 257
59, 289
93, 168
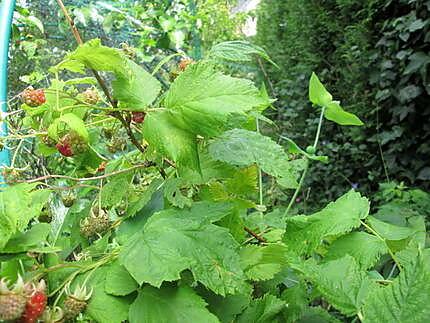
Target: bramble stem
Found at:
102, 83
84, 179
305, 170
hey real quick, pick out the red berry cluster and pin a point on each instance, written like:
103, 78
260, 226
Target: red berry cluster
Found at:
184, 63
24, 302
36, 304
138, 117
71, 144
33, 97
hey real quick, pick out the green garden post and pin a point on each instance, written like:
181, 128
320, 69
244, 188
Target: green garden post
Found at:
6, 13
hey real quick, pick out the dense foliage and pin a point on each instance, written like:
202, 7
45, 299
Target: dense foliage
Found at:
153, 210
374, 56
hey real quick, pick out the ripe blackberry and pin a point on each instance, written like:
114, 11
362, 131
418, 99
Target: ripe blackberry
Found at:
32, 97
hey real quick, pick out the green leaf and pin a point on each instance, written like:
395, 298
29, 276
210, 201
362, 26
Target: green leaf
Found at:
317, 92
226, 308
34, 21
238, 51
170, 305
134, 87
21, 242
107, 308
390, 231
168, 140
244, 148
334, 112
204, 100
305, 233
118, 281
342, 283
406, 299
81, 80
297, 300
114, 191
100, 58
262, 263
262, 310
174, 240
18, 205
137, 90
173, 193
103, 307
317, 315
364, 247
73, 122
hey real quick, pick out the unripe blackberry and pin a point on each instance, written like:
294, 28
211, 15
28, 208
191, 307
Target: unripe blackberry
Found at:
91, 96
53, 315
76, 302
68, 198
12, 301
107, 132
45, 215
129, 51
48, 141
117, 144
97, 223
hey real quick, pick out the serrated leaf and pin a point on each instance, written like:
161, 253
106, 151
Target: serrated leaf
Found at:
305, 233
134, 87
226, 308
241, 147
113, 192
297, 300
334, 112
118, 281
262, 310
342, 283
103, 307
238, 51
70, 65
390, 231
169, 305
24, 241
137, 90
107, 308
365, 248
317, 315
168, 140
317, 92
406, 299
73, 122
174, 240
81, 80
18, 205
204, 100
262, 263
173, 193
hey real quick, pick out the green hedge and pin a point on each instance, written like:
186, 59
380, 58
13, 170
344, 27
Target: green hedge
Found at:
373, 55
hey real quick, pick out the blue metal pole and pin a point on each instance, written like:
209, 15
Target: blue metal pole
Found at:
6, 13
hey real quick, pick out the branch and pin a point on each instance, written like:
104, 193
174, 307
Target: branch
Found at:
102, 83
85, 179
256, 236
